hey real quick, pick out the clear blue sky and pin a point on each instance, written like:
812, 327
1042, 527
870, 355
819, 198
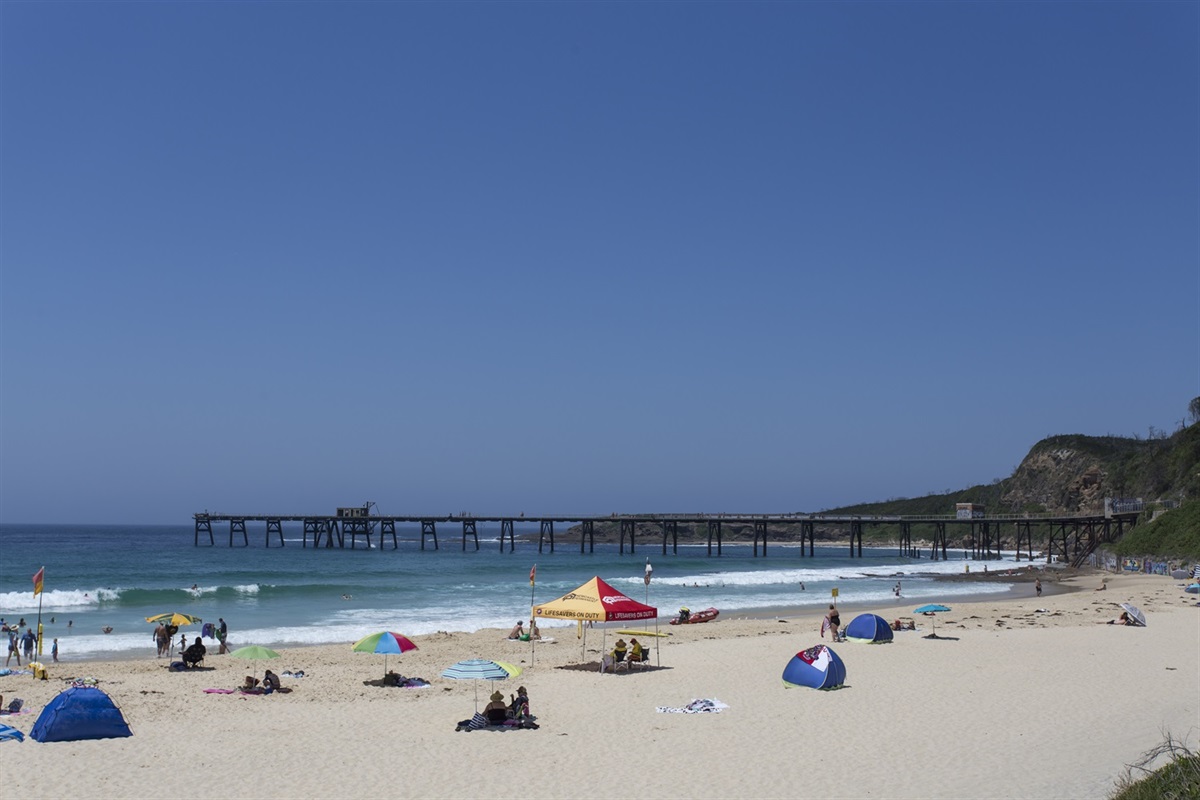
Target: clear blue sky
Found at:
583, 257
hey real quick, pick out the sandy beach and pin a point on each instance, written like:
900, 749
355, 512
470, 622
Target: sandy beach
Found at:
1021, 702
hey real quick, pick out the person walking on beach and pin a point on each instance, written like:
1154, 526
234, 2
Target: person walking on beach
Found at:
1037, 585
160, 640
28, 640
833, 621
54, 651
14, 647
222, 632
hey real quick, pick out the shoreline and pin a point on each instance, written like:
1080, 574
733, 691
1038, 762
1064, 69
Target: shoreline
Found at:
1051, 580
1020, 674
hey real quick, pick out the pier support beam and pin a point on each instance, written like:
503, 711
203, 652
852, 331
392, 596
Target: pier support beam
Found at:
469, 530
506, 530
428, 529
589, 536
204, 525
274, 526
547, 530
939, 540
387, 527
628, 526
670, 528
906, 539
1024, 537
354, 527
760, 530
808, 530
238, 526
856, 532
714, 527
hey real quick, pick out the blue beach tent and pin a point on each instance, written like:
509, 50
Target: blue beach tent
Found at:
870, 628
81, 712
817, 668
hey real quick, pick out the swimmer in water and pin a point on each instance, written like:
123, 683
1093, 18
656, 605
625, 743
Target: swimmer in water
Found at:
346, 597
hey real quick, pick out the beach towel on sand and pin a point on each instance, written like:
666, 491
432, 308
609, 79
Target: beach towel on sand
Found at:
702, 706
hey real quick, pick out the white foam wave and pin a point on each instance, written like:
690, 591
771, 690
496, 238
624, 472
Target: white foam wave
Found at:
25, 602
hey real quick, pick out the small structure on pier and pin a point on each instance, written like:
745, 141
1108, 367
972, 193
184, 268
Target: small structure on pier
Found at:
968, 511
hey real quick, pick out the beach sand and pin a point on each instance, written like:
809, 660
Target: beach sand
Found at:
1021, 703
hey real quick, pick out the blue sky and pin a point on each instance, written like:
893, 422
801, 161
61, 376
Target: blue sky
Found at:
583, 257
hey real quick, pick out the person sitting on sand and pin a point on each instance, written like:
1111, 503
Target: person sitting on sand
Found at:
195, 653
534, 631
518, 630
496, 711
250, 684
519, 708
270, 682
1124, 619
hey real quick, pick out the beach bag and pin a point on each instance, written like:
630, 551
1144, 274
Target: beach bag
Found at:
14, 706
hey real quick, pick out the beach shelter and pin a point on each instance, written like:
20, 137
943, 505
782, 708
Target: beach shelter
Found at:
869, 628
595, 601
817, 668
80, 712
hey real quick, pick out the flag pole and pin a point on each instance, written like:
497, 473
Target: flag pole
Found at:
657, 652
39, 580
532, 617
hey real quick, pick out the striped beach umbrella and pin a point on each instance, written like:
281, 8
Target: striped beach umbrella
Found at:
479, 669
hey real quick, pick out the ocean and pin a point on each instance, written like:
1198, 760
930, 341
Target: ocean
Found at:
99, 576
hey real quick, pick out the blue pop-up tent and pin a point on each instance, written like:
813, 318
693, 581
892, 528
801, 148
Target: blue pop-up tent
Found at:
870, 628
817, 668
80, 712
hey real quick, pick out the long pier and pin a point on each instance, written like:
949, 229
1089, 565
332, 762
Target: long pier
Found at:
1071, 538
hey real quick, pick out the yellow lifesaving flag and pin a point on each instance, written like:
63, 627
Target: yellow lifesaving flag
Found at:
37, 581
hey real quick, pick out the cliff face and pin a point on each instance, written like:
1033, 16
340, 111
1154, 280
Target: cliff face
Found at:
1057, 480
1073, 474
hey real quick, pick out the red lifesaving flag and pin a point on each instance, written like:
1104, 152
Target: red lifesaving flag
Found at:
532, 574
37, 581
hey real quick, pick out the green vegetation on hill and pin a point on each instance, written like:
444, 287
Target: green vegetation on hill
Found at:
1073, 474
1175, 534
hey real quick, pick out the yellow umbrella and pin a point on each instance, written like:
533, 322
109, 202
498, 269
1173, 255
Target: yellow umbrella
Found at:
173, 618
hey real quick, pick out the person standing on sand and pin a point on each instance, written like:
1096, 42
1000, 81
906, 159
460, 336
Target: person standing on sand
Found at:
833, 621
14, 647
222, 632
1037, 585
54, 651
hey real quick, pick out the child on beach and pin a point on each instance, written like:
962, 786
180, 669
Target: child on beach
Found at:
54, 650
